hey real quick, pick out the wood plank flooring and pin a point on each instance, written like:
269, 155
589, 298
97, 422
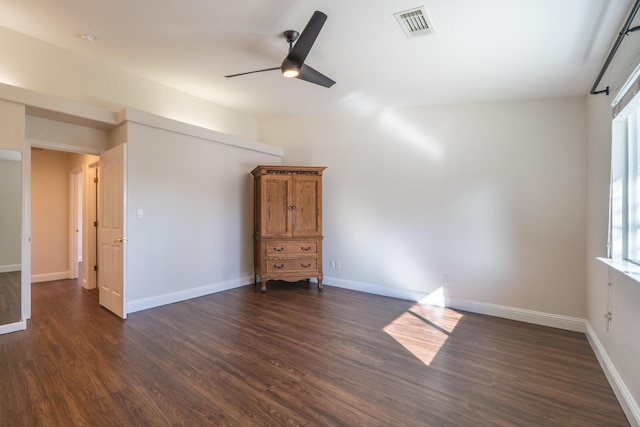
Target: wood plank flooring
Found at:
293, 356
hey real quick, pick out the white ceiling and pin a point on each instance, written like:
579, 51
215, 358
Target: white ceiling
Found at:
483, 50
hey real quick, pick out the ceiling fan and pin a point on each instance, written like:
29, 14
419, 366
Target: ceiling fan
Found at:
293, 65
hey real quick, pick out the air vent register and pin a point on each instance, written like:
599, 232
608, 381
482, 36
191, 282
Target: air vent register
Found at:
415, 22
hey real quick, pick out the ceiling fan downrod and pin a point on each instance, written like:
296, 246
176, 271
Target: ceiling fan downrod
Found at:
291, 36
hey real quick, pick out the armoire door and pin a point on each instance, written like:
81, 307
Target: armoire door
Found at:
307, 200
277, 204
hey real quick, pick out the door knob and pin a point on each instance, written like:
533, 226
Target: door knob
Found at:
120, 240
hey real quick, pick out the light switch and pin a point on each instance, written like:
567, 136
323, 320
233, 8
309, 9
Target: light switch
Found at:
139, 214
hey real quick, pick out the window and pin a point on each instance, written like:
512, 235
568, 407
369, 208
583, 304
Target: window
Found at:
624, 206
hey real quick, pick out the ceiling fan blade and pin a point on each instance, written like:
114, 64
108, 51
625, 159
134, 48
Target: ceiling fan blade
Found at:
308, 74
301, 49
251, 72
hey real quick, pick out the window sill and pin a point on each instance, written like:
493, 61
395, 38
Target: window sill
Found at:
627, 268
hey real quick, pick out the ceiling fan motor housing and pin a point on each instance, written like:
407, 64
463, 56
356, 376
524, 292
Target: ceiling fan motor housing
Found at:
291, 36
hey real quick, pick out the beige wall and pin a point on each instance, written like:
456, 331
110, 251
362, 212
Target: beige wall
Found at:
49, 215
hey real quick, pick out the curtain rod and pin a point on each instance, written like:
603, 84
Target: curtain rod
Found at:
625, 30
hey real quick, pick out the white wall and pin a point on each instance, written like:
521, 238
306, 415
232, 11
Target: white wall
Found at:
195, 236
12, 125
491, 194
10, 214
621, 340
66, 134
33, 64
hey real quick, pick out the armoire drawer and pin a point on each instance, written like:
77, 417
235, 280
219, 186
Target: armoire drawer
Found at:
275, 265
292, 247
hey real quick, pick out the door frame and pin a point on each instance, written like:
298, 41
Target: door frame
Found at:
89, 272
76, 204
26, 211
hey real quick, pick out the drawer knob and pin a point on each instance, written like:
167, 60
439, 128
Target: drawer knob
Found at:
305, 265
280, 249
305, 248
278, 265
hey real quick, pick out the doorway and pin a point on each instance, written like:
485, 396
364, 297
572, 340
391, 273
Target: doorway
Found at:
111, 256
63, 215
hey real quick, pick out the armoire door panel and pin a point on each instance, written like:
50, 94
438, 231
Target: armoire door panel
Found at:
277, 214
307, 214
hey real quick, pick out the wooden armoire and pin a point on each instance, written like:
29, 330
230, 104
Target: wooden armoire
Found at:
287, 223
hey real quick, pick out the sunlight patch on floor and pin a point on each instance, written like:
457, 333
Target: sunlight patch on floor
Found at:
423, 330
437, 298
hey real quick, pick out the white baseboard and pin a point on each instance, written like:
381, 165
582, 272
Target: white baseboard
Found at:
47, 277
9, 268
384, 291
157, 301
529, 316
628, 403
13, 327
85, 284
512, 313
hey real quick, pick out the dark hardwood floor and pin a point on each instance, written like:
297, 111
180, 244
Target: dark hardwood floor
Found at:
293, 356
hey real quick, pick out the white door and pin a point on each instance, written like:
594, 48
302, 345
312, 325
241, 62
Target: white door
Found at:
111, 230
